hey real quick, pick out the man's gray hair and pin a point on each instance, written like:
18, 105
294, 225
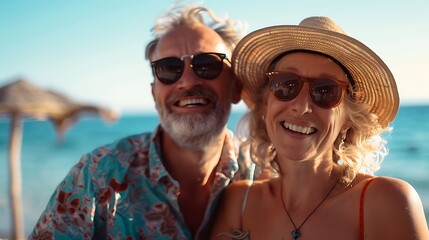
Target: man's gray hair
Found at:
228, 30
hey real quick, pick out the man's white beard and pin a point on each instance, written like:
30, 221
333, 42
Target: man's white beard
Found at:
195, 131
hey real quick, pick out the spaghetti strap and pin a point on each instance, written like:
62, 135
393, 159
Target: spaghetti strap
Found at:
362, 208
240, 234
246, 195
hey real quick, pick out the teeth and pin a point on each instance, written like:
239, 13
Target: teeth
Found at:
300, 129
192, 102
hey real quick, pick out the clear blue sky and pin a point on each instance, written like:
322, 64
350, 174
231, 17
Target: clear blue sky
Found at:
93, 50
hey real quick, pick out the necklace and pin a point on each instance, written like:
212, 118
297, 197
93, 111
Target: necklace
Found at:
296, 233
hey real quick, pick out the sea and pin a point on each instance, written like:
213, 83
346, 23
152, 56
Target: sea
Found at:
46, 159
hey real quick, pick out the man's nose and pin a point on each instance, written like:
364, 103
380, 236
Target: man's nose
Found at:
188, 79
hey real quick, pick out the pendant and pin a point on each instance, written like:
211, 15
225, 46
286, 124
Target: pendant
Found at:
296, 234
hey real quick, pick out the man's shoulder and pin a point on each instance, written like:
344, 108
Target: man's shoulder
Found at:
120, 153
127, 144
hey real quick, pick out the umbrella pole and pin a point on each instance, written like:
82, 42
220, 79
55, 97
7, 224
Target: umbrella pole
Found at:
15, 177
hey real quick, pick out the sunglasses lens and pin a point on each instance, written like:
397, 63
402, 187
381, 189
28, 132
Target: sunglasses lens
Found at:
207, 65
326, 93
285, 86
168, 70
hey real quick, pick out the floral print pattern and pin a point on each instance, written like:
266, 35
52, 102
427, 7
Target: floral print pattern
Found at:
123, 191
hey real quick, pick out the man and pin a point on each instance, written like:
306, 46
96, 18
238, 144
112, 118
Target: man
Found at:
165, 184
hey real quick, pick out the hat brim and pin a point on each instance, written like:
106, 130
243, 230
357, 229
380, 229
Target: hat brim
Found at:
257, 50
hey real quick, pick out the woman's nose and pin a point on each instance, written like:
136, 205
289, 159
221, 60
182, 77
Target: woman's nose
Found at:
302, 103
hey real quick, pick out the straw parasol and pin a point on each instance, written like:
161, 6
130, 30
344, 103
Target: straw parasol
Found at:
21, 99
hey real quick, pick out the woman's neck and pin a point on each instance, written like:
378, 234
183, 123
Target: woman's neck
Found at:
307, 181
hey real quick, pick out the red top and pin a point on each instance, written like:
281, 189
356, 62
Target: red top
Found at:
362, 208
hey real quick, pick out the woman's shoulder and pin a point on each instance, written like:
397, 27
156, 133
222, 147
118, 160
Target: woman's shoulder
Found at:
384, 191
393, 208
397, 191
235, 199
236, 193
239, 188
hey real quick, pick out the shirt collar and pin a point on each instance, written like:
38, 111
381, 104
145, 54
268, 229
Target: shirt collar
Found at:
227, 166
156, 167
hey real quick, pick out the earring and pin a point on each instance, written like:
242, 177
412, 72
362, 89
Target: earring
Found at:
341, 146
263, 117
343, 137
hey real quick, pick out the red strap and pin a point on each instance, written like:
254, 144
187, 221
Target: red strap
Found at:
362, 208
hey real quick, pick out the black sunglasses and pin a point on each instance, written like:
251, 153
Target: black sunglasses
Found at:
206, 65
325, 92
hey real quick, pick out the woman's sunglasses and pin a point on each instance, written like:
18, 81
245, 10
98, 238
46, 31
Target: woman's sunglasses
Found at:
325, 93
205, 65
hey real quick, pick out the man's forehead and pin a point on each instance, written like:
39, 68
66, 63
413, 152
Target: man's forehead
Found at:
189, 40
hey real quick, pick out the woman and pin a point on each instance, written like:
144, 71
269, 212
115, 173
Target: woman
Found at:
319, 101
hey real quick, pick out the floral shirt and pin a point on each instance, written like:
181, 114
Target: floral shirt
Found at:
123, 191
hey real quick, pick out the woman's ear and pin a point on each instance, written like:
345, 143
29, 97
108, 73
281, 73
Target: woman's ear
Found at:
265, 95
346, 126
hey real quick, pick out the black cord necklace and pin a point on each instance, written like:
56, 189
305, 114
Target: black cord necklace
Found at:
296, 233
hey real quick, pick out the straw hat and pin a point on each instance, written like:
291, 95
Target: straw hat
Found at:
372, 77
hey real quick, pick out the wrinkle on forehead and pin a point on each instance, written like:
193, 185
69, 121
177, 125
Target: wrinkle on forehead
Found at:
311, 65
192, 39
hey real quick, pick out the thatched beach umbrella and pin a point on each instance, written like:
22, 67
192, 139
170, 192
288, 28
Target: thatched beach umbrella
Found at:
21, 99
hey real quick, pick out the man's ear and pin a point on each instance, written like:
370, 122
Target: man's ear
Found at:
152, 91
237, 87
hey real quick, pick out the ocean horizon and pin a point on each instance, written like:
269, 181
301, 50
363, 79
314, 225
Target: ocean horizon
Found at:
45, 159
